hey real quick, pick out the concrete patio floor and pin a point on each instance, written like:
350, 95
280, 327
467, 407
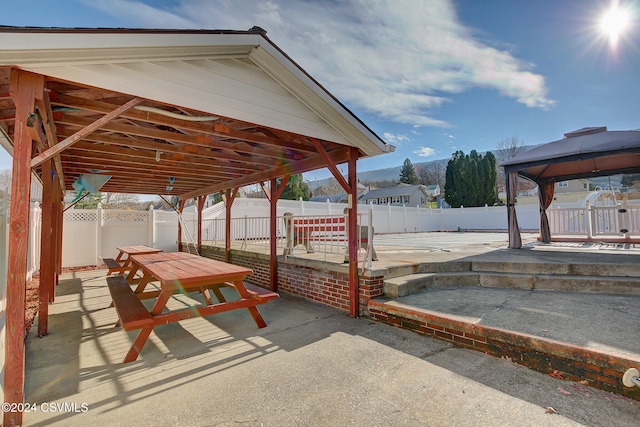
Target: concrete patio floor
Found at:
311, 365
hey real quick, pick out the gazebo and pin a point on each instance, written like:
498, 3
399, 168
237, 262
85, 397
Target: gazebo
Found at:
172, 112
584, 153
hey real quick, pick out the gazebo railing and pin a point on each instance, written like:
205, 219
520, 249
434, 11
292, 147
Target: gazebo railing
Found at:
620, 221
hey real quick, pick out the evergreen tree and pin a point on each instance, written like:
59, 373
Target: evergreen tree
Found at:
629, 179
295, 188
470, 180
408, 173
90, 201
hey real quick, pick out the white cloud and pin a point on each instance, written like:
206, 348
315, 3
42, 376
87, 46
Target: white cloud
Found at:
425, 152
395, 139
398, 63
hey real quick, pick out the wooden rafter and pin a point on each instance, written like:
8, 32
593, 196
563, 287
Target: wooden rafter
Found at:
61, 146
311, 163
44, 108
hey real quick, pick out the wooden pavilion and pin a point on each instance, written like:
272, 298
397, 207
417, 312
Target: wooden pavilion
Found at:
172, 112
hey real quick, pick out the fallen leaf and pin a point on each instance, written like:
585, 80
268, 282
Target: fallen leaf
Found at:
584, 382
563, 391
545, 330
556, 374
550, 410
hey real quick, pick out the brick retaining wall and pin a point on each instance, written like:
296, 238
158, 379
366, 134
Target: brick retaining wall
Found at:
323, 282
571, 362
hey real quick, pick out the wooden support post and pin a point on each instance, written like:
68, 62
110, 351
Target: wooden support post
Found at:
56, 237
354, 293
47, 251
201, 200
22, 89
273, 235
273, 195
180, 208
228, 197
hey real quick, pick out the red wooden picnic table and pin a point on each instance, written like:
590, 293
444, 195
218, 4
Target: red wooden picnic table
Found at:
191, 273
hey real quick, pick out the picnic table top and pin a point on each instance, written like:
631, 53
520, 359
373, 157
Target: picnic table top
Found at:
138, 249
194, 271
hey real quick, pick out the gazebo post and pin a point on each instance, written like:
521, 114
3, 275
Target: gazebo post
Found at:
180, 208
48, 252
354, 293
273, 195
201, 200
57, 237
22, 89
228, 197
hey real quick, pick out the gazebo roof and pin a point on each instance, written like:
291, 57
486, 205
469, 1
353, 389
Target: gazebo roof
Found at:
183, 112
584, 153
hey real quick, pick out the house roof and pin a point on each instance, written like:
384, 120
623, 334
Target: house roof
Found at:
402, 190
587, 152
205, 110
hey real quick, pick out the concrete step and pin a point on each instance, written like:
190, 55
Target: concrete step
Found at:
522, 267
412, 283
559, 268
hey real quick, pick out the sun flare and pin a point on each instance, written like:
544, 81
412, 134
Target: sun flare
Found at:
614, 22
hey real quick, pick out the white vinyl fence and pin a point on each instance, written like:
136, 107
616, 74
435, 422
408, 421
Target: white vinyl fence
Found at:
621, 220
89, 235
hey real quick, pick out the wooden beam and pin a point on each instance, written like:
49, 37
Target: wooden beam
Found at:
316, 162
205, 128
273, 236
331, 165
266, 192
34, 127
354, 288
47, 258
181, 150
61, 146
201, 201
180, 208
56, 237
44, 108
228, 197
22, 88
208, 141
274, 195
117, 152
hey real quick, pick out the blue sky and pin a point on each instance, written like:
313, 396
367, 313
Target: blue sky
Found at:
429, 76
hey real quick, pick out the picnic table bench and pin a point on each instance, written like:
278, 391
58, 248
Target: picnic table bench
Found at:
120, 265
181, 274
132, 314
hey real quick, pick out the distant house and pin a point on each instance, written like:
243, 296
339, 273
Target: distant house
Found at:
339, 198
573, 186
433, 190
403, 194
332, 198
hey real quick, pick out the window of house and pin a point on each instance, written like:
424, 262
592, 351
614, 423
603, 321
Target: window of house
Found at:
406, 199
396, 199
563, 184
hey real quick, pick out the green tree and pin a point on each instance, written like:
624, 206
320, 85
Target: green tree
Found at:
295, 188
470, 180
90, 201
629, 179
408, 173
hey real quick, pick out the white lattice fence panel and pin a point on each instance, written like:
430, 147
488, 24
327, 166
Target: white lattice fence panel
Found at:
125, 216
80, 215
165, 216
